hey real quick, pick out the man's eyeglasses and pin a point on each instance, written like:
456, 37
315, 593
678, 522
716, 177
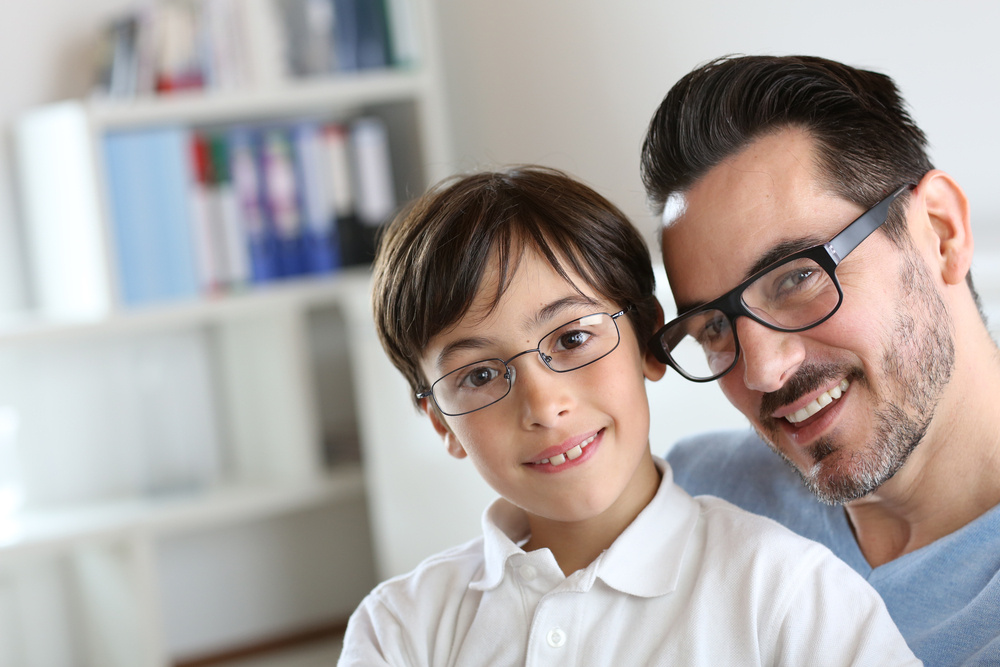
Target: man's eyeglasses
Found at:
573, 345
796, 293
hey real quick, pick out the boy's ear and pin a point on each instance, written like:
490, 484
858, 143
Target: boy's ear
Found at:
948, 230
652, 367
451, 442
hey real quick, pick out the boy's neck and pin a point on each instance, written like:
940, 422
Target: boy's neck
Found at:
576, 544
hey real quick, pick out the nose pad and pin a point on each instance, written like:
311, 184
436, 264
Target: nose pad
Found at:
769, 357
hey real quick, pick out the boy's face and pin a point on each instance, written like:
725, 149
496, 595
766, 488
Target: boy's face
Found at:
598, 414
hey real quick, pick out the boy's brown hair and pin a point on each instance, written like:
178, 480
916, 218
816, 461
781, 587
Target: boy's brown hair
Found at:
432, 258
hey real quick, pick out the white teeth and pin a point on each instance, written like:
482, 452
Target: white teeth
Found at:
820, 402
572, 453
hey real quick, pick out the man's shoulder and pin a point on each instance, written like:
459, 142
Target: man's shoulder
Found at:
722, 462
740, 467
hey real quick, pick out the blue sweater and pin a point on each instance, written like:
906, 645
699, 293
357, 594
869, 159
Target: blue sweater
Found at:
945, 597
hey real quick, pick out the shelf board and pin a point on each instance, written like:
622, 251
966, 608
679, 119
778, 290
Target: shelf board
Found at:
297, 97
34, 532
351, 283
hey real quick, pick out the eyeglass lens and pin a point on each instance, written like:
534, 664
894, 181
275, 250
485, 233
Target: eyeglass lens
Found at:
482, 383
792, 296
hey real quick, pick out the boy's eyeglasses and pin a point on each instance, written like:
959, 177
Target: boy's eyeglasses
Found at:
573, 345
796, 293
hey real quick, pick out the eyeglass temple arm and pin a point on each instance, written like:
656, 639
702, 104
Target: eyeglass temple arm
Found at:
852, 235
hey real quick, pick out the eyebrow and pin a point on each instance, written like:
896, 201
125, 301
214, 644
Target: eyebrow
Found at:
544, 315
766, 259
780, 252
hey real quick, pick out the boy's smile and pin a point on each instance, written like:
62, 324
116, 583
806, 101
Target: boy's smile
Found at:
564, 446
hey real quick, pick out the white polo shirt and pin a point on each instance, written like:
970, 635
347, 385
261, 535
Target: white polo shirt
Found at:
692, 581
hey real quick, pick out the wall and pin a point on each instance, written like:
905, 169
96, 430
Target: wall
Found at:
573, 83
42, 46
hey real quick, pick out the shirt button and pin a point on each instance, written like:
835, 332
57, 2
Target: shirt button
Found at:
528, 572
556, 638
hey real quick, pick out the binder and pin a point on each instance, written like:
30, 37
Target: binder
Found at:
148, 181
316, 203
279, 200
205, 227
246, 178
226, 205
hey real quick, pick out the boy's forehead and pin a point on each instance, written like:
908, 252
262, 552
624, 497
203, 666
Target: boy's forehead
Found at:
535, 295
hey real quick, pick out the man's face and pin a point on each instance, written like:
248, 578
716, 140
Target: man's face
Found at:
845, 403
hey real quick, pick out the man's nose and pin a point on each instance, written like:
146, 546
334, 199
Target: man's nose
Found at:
769, 357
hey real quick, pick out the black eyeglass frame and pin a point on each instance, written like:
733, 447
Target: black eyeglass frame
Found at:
510, 373
827, 255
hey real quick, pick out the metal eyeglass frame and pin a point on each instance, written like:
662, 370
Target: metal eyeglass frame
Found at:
827, 255
510, 373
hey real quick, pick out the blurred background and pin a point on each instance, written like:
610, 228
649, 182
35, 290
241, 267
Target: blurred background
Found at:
203, 472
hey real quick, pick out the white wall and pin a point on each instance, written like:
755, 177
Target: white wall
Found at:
573, 83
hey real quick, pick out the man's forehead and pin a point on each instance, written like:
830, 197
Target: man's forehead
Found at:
737, 215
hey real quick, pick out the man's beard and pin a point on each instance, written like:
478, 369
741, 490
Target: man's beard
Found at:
916, 365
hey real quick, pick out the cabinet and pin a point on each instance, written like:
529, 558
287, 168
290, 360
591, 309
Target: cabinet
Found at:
191, 469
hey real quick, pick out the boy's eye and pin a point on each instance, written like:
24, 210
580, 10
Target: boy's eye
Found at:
572, 339
478, 376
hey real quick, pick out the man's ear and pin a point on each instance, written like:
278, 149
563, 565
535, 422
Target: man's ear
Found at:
949, 230
451, 442
652, 367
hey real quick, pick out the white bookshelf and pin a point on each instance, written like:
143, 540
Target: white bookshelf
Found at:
249, 398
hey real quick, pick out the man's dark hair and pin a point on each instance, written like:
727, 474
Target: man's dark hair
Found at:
867, 144
433, 257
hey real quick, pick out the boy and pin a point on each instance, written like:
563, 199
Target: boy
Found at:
516, 304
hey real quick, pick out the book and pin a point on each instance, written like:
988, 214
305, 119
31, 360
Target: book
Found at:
245, 176
351, 237
376, 197
204, 225
149, 182
360, 34
264, 55
374, 191
403, 33
225, 203
316, 202
309, 35
178, 63
279, 199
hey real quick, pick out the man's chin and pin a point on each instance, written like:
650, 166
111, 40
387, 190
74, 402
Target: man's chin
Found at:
837, 488
834, 476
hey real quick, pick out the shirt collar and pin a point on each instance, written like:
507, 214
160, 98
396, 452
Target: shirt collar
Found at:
505, 529
646, 558
644, 561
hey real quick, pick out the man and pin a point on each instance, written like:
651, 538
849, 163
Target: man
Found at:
858, 352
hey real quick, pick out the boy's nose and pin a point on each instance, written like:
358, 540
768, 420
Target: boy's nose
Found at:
769, 357
542, 394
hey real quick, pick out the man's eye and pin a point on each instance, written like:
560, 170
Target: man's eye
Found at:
713, 330
792, 280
